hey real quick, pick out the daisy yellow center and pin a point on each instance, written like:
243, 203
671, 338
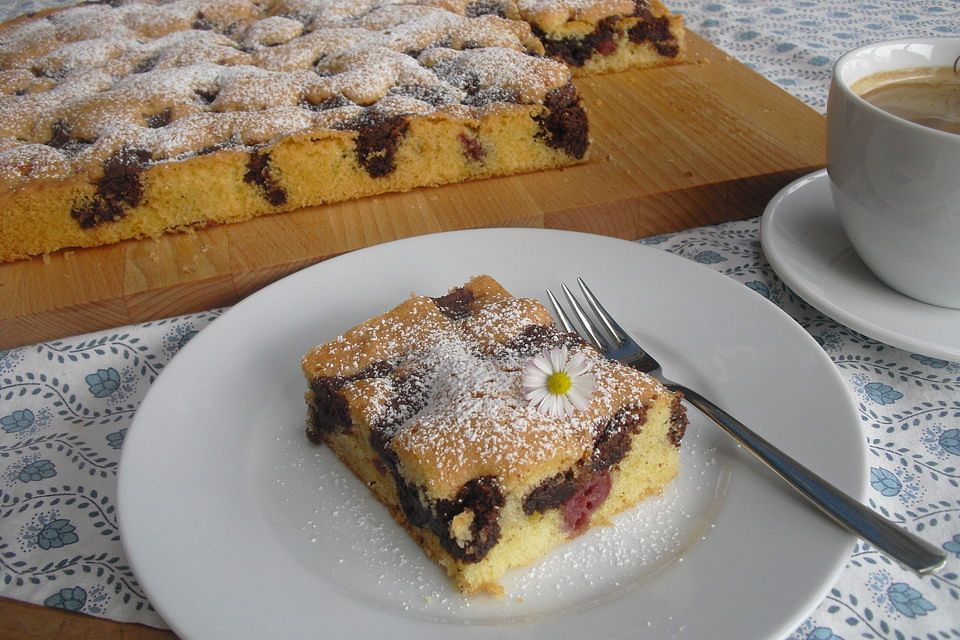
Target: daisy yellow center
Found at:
558, 383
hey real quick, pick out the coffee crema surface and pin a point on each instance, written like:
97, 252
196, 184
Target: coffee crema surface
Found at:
929, 96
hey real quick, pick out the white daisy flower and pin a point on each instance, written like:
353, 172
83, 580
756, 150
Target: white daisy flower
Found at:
557, 386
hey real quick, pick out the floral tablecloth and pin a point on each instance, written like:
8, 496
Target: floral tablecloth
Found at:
65, 405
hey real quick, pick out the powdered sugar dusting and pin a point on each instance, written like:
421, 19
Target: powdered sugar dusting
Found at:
548, 15
336, 529
88, 73
457, 409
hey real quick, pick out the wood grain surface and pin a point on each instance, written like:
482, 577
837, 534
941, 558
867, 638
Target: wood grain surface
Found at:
673, 148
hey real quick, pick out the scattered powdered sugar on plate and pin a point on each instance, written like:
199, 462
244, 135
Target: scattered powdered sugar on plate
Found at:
349, 541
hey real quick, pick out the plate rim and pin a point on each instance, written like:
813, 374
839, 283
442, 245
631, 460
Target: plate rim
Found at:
859, 492
771, 243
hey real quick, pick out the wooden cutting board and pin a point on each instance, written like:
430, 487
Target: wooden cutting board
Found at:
677, 147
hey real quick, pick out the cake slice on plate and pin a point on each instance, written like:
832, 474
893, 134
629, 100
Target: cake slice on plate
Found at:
491, 435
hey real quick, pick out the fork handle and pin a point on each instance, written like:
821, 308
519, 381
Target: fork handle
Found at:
901, 545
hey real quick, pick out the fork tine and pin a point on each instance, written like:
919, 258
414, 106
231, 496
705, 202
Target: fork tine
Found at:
561, 315
565, 320
612, 326
598, 340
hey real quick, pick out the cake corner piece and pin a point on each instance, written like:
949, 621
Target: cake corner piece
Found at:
605, 36
429, 405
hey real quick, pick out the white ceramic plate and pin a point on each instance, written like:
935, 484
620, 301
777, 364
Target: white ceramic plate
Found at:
804, 241
238, 528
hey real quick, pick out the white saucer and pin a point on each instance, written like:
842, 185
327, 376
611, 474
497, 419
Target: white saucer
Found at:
807, 247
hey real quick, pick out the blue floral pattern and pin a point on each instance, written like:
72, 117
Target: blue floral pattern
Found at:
19, 420
760, 288
882, 393
103, 382
823, 633
708, 257
37, 471
953, 545
950, 441
908, 601
884, 482
57, 534
115, 439
65, 405
936, 363
67, 598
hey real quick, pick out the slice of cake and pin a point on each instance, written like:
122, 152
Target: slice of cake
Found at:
437, 406
598, 36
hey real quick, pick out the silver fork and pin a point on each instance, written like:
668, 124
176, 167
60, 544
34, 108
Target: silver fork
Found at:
911, 551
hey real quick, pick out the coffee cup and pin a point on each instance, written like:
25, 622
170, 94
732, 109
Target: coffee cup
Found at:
896, 182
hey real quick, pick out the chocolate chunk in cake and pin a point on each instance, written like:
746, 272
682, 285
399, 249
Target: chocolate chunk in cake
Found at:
259, 174
564, 125
378, 136
119, 189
